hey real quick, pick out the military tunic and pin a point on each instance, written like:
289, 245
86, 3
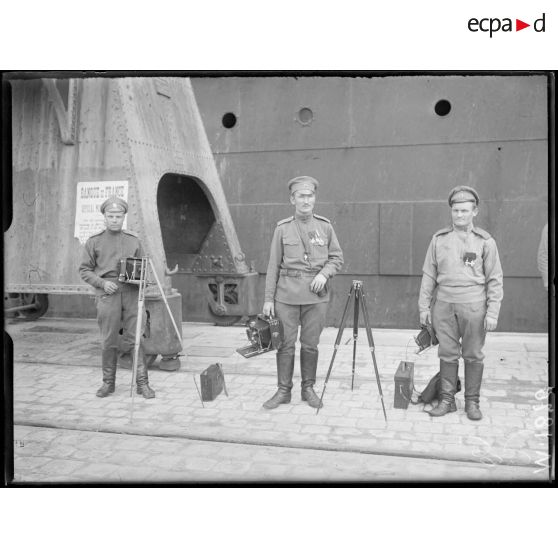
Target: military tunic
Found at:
101, 262
465, 268
302, 247
290, 272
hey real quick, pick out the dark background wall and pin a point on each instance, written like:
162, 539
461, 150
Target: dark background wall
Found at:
386, 161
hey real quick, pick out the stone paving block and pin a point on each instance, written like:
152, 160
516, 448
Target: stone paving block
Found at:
343, 431
286, 418
538, 443
424, 447
398, 445
501, 405
262, 425
164, 461
234, 451
30, 462
430, 426
342, 421
102, 472
372, 423
447, 438
61, 467
316, 429
421, 436
232, 467
225, 414
128, 457
239, 424
268, 472
461, 429
134, 443
359, 413
288, 427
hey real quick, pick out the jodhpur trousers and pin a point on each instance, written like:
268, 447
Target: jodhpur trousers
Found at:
460, 330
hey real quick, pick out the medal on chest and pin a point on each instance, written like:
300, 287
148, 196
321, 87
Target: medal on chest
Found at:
316, 238
469, 258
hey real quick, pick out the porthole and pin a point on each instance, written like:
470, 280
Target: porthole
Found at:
442, 107
229, 120
305, 116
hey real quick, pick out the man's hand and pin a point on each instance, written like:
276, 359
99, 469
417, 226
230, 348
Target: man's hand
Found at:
269, 309
318, 283
490, 324
425, 318
109, 287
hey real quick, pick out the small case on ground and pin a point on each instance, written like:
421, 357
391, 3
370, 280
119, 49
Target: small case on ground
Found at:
212, 382
404, 384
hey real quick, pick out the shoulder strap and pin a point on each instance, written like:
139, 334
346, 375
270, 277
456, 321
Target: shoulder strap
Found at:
482, 233
443, 231
283, 221
322, 218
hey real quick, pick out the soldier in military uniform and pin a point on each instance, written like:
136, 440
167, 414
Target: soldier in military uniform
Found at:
462, 263
117, 303
304, 254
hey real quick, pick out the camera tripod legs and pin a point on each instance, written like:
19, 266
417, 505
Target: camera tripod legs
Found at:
356, 293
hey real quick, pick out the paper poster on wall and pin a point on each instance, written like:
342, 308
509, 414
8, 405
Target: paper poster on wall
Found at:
90, 196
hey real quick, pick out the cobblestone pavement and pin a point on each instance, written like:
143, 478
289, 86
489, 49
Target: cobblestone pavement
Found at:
47, 455
57, 371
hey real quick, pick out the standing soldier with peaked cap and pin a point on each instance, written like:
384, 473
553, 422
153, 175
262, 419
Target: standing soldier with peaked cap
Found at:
117, 303
304, 254
462, 262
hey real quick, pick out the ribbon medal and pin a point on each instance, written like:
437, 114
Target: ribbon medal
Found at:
316, 239
469, 258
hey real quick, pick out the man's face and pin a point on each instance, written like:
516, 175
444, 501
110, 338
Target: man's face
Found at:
462, 214
114, 220
304, 201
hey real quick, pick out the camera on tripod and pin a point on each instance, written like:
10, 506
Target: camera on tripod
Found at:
265, 334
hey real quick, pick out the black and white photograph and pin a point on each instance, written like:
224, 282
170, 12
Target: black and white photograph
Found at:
282, 278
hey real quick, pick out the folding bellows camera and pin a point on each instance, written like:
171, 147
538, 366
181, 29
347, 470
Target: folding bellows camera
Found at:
265, 334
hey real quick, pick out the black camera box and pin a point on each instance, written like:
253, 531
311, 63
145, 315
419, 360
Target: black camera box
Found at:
404, 384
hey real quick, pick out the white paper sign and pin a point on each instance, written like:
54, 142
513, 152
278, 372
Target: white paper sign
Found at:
90, 196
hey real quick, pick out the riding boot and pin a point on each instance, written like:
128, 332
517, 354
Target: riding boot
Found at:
473, 380
431, 391
448, 387
285, 369
142, 380
108, 358
308, 366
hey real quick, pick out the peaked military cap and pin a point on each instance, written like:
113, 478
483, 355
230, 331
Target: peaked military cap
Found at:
463, 194
303, 183
114, 204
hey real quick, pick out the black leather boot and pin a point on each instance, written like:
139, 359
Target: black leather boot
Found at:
473, 380
285, 368
431, 391
108, 359
142, 380
308, 366
448, 387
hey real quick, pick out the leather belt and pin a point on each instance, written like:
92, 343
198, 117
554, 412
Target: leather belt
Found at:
298, 273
